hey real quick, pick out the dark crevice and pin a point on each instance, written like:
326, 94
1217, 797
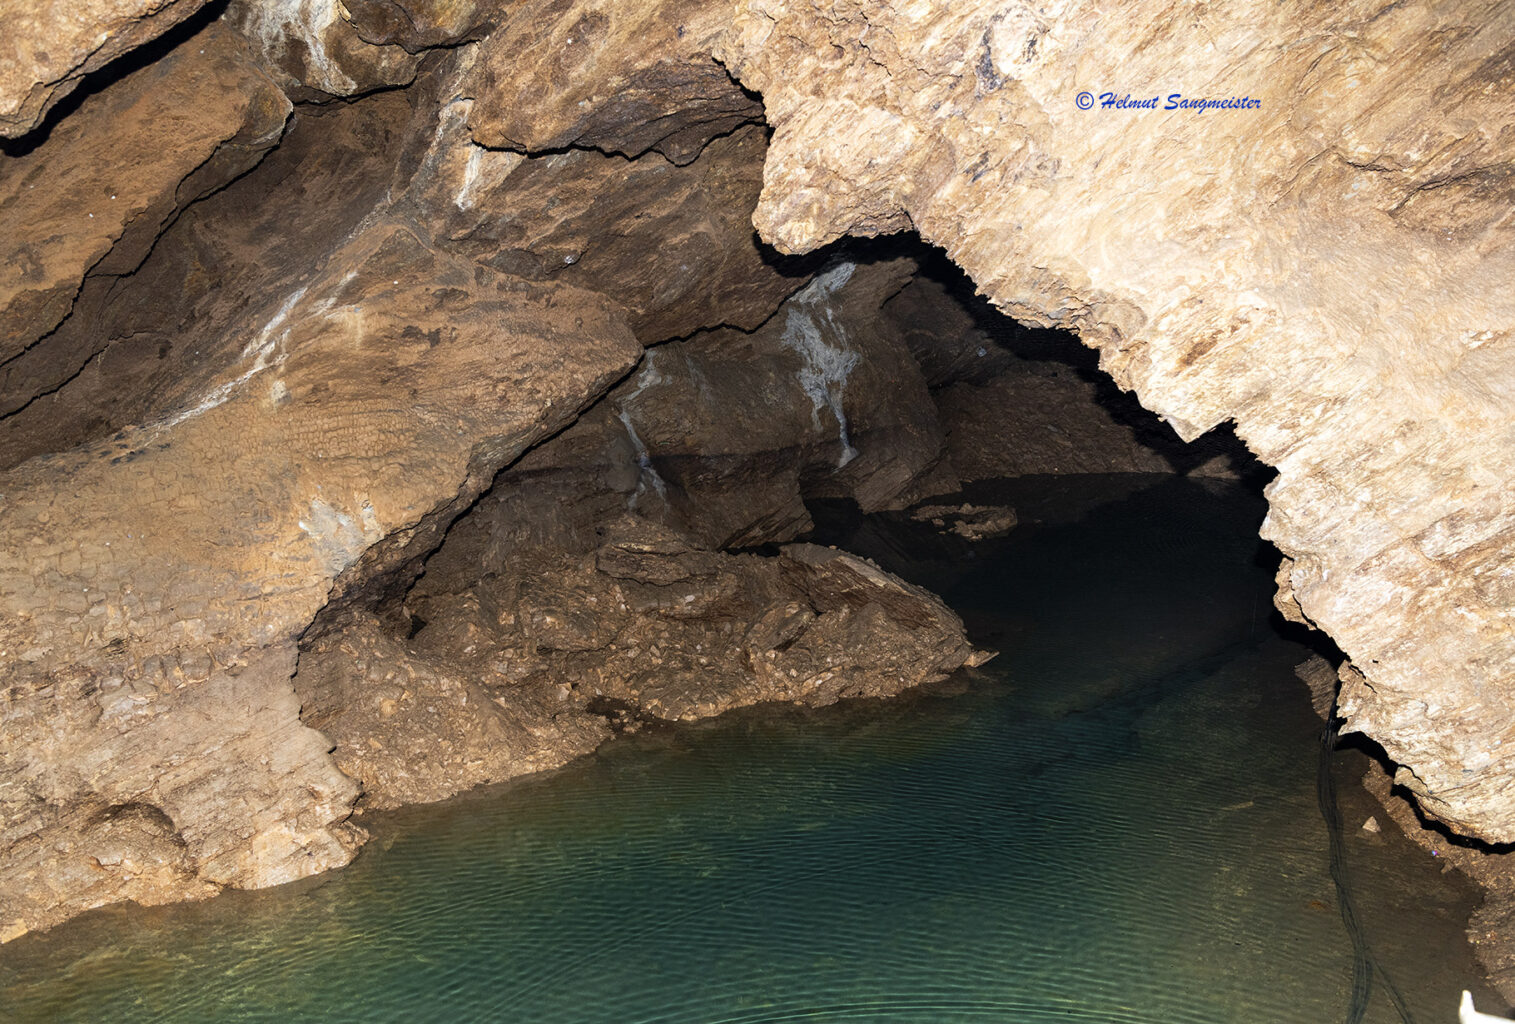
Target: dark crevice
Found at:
97, 81
575, 147
93, 358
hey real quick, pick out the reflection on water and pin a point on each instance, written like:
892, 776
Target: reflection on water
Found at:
1117, 823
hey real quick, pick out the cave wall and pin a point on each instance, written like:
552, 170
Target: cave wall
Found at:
356, 261
1330, 271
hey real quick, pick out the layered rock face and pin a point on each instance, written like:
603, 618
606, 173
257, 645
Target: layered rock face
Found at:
49, 49
377, 448
1329, 269
260, 360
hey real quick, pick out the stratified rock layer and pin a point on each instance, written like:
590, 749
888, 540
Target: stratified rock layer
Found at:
1330, 268
236, 442
96, 194
618, 77
151, 611
49, 47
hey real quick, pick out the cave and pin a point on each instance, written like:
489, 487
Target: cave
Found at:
579, 510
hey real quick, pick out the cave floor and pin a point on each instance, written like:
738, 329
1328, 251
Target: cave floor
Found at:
1116, 821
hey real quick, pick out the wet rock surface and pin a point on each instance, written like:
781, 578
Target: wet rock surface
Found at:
553, 651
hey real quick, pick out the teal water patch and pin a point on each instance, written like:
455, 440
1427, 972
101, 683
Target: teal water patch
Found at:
1116, 822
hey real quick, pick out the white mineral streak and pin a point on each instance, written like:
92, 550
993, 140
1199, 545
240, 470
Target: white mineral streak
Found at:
338, 537
261, 350
647, 473
812, 331
275, 22
1330, 267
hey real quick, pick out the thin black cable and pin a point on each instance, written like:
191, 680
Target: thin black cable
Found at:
1364, 963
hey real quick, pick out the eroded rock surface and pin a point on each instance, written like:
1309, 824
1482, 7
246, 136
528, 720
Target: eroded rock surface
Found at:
95, 195
1329, 269
539, 660
239, 415
49, 47
153, 609
316, 50
618, 77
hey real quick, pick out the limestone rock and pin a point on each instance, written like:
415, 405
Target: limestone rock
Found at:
150, 612
419, 24
1018, 401
416, 729
315, 51
144, 346
673, 244
96, 194
1043, 419
725, 435
49, 47
1328, 268
543, 659
598, 74
968, 521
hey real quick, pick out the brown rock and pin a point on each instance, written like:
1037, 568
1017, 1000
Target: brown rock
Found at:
416, 729
673, 244
540, 659
724, 435
315, 51
97, 193
1039, 418
150, 612
48, 48
145, 346
617, 77
419, 24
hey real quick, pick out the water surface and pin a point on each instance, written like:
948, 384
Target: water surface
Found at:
1116, 822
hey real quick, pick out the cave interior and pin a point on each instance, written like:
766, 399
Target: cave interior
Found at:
448, 426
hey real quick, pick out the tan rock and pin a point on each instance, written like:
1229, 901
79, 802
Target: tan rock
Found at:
95, 195
49, 47
1329, 269
142, 348
597, 74
673, 244
148, 615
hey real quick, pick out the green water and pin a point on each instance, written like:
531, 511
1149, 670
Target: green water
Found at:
1116, 822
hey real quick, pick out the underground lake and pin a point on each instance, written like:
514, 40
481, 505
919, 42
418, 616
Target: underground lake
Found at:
1118, 819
